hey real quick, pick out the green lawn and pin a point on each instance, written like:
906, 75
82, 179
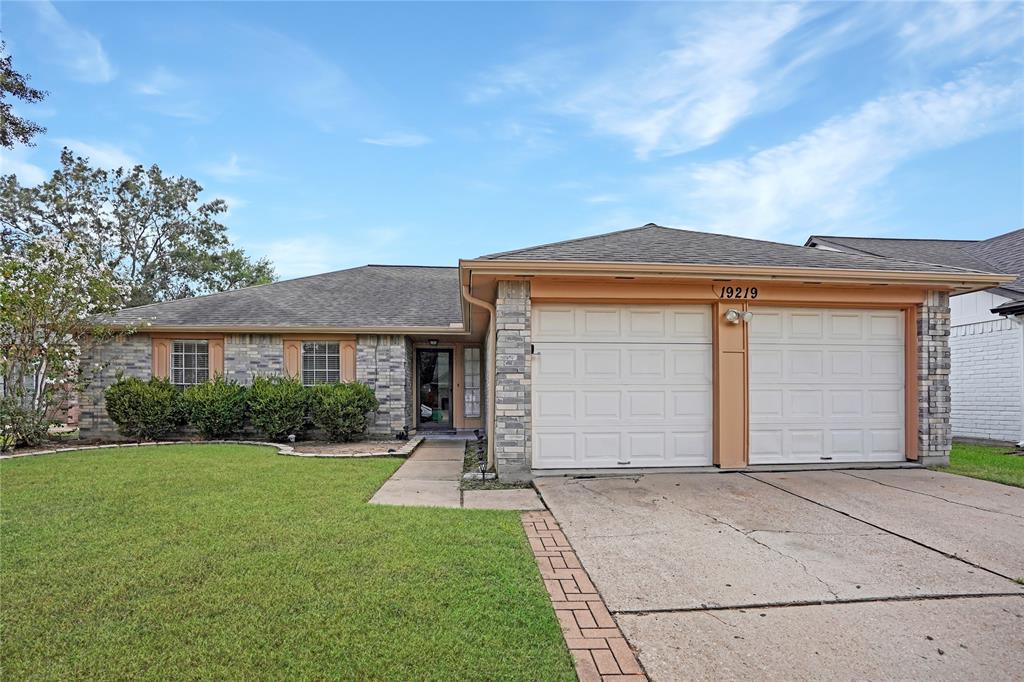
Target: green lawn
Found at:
987, 462
226, 561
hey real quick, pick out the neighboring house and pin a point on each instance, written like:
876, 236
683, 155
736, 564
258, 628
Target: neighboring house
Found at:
649, 347
987, 327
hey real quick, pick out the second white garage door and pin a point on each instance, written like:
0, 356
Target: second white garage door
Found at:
621, 386
826, 385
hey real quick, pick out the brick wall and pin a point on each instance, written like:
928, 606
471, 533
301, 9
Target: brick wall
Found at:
986, 379
384, 363
249, 355
128, 355
512, 436
934, 433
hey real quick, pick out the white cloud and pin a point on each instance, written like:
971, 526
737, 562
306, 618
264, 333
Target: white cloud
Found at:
603, 199
398, 139
228, 170
79, 50
962, 28
13, 161
824, 176
159, 82
714, 75
99, 153
234, 203
316, 252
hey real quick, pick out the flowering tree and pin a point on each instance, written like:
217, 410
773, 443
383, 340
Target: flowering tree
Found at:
49, 287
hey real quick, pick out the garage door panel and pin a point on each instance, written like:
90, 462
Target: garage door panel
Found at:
826, 385
638, 378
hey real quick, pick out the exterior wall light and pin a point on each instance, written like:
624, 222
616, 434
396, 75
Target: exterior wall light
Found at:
432, 342
733, 316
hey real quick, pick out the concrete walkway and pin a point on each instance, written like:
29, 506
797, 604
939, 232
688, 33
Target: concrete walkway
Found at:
840, 575
432, 478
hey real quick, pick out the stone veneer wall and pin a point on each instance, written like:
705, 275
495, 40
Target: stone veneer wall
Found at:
129, 355
384, 363
249, 355
513, 448
933, 364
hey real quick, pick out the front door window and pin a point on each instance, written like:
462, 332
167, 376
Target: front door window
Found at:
434, 368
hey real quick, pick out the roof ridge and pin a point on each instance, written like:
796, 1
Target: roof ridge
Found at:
900, 239
574, 240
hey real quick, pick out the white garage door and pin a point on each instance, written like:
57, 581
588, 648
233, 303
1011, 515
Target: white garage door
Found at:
621, 386
826, 385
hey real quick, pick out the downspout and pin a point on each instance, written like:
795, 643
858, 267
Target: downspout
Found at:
492, 333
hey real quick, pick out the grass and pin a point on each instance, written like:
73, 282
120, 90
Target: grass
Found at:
231, 562
987, 462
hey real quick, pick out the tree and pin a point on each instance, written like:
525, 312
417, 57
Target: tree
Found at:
151, 230
16, 85
49, 287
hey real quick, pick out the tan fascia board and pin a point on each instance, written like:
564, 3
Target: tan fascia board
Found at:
249, 329
960, 281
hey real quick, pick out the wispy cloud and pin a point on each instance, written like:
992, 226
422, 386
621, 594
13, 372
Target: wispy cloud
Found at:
317, 252
100, 154
230, 169
398, 139
14, 162
159, 82
603, 199
963, 28
79, 50
824, 176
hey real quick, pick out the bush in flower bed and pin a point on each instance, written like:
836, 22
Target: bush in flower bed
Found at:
216, 409
341, 409
277, 406
144, 410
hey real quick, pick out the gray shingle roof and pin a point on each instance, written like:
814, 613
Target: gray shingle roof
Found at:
381, 296
1002, 253
656, 244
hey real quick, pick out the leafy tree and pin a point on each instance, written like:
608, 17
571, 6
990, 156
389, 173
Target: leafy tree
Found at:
150, 229
16, 85
49, 287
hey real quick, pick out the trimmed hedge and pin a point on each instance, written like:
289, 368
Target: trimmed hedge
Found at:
144, 410
341, 409
277, 406
217, 408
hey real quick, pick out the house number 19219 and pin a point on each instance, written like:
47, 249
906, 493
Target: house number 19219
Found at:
738, 292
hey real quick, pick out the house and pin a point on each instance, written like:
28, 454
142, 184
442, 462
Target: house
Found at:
986, 327
648, 347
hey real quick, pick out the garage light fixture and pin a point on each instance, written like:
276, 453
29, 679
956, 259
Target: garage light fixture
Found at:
733, 316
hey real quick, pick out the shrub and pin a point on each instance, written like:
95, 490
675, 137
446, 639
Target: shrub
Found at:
277, 406
144, 410
20, 425
341, 409
217, 408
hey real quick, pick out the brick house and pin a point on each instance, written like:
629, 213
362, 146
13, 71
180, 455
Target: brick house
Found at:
644, 348
986, 327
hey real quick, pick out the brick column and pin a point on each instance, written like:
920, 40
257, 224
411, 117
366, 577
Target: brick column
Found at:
382, 363
513, 431
933, 364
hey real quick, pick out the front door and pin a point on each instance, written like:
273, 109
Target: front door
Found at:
434, 371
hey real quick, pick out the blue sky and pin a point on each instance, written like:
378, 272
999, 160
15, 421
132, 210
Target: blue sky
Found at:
342, 134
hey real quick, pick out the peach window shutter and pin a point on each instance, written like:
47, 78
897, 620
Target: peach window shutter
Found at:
293, 357
161, 358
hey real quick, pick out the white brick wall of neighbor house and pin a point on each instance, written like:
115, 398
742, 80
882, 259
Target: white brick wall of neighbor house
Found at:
987, 378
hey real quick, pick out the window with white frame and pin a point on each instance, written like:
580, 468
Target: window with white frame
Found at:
190, 362
471, 381
321, 362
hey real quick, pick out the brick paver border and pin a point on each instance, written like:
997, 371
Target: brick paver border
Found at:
594, 639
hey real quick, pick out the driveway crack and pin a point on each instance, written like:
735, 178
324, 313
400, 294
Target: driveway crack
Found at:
937, 497
749, 535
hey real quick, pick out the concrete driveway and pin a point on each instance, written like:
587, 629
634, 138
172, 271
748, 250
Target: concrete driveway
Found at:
860, 574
